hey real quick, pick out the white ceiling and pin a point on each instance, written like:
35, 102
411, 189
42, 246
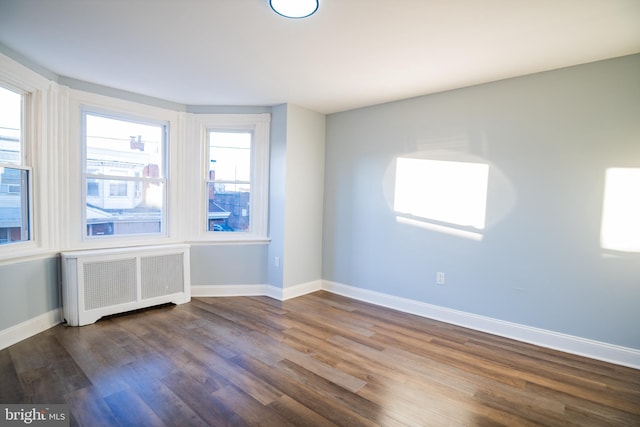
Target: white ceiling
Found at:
352, 53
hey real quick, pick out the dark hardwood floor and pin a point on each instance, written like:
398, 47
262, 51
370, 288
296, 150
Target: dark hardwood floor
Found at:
317, 360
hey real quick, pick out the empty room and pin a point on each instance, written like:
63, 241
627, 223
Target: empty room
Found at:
320, 213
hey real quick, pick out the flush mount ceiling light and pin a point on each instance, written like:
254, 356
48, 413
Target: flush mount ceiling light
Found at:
294, 8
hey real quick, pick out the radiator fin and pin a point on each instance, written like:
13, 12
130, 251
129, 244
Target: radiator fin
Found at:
162, 275
109, 283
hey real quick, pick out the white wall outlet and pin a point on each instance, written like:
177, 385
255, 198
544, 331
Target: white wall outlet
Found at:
440, 278
276, 261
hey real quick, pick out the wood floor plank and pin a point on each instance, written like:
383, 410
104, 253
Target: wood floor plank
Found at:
306, 388
127, 404
158, 397
298, 414
10, 388
199, 397
250, 410
317, 360
88, 408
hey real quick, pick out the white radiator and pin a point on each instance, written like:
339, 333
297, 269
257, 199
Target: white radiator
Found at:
97, 283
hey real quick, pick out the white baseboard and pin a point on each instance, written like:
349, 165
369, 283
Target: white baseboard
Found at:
568, 343
255, 290
29, 328
302, 289
230, 290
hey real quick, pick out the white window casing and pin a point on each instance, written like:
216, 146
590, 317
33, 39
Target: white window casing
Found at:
36, 93
258, 125
82, 103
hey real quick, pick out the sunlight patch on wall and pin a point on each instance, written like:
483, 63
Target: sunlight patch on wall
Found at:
620, 229
444, 196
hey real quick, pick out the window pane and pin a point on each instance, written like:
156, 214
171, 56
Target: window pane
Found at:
229, 187
230, 156
10, 127
119, 207
14, 205
124, 176
123, 148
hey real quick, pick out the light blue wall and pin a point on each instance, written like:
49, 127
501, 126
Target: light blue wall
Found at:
548, 139
304, 196
228, 264
277, 196
27, 290
295, 195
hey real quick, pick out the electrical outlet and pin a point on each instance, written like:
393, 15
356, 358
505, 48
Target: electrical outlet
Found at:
440, 278
276, 262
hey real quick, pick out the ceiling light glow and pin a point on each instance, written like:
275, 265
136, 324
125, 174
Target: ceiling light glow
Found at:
294, 8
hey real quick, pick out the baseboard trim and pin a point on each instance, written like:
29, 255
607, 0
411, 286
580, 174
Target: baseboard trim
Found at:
29, 328
302, 289
229, 290
558, 341
255, 290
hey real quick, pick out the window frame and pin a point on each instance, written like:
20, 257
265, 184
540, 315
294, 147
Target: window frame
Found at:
73, 231
34, 91
259, 126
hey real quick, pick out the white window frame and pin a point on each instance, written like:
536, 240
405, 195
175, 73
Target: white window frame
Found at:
35, 91
258, 125
81, 102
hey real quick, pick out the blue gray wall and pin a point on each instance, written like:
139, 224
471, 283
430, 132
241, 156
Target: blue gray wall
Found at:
548, 139
277, 193
28, 289
304, 187
295, 196
228, 264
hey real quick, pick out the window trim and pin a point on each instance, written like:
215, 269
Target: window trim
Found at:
30, 88
73, 233
258, 125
